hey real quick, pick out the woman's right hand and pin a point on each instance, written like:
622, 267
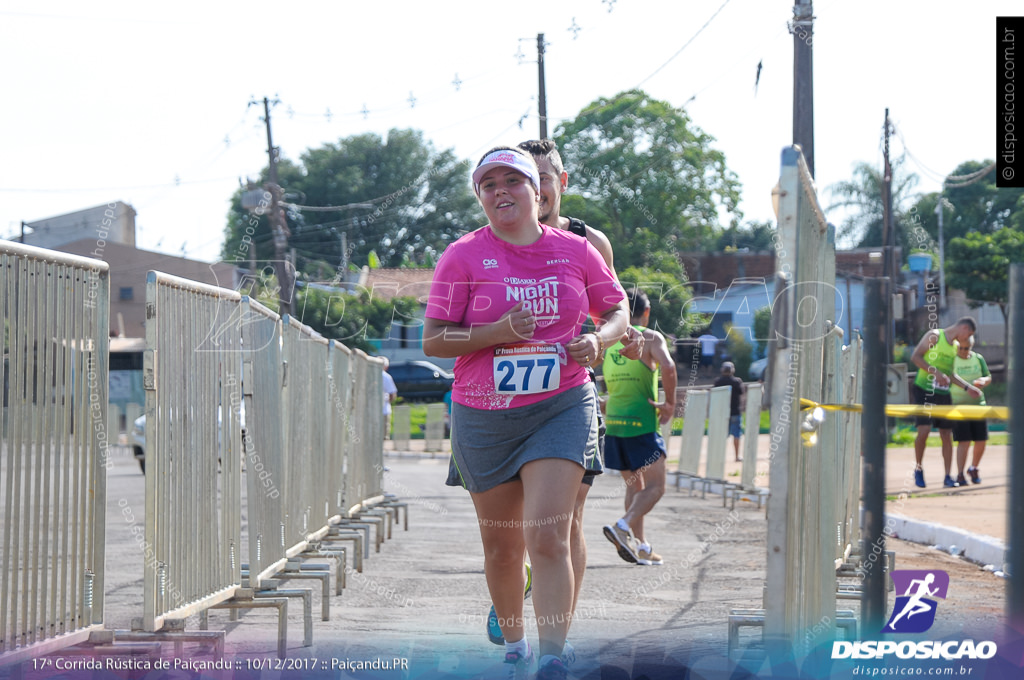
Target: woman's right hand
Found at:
520, 322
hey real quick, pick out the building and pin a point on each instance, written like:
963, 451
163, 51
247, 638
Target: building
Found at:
108, 223
128, 269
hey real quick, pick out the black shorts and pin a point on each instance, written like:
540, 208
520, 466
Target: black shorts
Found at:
970, 431
925, 397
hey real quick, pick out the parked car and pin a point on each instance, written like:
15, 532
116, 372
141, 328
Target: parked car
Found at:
421, 380
757, 369
138, 436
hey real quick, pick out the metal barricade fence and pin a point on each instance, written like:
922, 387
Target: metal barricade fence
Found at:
55, 449
265, 452
365, 457
192, 372
339, 418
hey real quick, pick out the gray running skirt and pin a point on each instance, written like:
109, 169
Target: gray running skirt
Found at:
489, 447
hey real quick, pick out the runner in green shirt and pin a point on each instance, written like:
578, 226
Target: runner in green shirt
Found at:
933, 357
971, 367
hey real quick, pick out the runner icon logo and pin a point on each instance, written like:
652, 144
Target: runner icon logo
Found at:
914, 610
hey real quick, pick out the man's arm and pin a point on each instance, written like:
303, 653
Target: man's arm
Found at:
658, 353
917, 358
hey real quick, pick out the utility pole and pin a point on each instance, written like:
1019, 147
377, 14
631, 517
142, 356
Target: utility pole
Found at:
942, 258
543, 104
802, 29
278, 222
888, 238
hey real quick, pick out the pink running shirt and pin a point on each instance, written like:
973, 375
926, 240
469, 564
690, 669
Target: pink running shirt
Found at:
480, 277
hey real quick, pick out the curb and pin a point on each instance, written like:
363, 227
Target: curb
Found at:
984, 550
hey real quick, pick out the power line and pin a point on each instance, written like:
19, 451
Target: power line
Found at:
685, 45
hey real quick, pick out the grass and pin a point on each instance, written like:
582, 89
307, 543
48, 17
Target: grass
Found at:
905, 436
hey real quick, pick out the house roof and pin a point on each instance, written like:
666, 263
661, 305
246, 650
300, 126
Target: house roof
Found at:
386, 284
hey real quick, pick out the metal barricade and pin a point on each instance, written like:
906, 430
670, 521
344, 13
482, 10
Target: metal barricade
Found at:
265, 452
55, 449
192, 371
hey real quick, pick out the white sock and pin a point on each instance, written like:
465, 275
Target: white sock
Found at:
622, 525
646, 547
520, 646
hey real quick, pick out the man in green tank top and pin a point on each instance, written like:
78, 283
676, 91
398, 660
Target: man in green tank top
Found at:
633, 443
934, 357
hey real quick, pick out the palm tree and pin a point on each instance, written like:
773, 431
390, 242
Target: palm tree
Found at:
863, 195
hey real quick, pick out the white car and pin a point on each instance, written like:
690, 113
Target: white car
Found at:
138, 435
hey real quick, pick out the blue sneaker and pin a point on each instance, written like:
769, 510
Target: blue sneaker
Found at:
517, 666
919, 477
948, 482
494, 633
554, 669
568, 655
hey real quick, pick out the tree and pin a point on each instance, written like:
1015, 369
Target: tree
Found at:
642, 173
353, 319
978, 206
421, 200
670, 298
864, 196
751, 236
979, 265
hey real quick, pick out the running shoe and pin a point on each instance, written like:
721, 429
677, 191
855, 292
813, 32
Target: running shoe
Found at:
517, 666
919, 477
975, 474
648, 557
568, 654
494, 633
948, 482
552, 670
623, 541
961, 480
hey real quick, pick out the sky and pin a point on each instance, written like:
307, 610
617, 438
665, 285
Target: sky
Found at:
149, 103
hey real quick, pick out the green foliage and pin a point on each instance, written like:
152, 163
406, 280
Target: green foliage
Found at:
979, 264
355, 320
741, 352
670, 313
642, 173
753, 236
762, 328
418, 200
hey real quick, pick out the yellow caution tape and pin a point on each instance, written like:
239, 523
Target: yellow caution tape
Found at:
959, 412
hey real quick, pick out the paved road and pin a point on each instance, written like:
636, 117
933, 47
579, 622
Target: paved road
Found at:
423, 598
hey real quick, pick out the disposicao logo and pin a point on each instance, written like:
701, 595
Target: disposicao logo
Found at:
914, 612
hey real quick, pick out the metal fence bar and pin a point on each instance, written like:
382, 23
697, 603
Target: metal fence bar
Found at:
192, 365
1015, 506
718, 432
694, 415
339, 359
55, 443
748, 471
265, 461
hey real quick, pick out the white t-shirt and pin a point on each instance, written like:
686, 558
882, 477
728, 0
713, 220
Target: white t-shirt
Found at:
389, 389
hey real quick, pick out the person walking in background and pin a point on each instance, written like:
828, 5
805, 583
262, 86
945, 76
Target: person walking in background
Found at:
633, 444
708, 347
508, 301
390, 394
933, 357
729, 378
971, 367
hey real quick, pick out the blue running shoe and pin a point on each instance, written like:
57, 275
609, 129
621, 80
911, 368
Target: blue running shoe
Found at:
494, 633
919, 477
517, 666
554, 669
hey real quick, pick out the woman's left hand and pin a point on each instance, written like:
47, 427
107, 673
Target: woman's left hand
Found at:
583, 349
